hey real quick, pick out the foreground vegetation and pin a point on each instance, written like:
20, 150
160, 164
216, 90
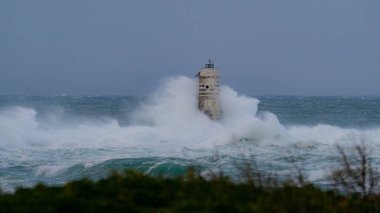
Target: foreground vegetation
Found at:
136, 192
356, 182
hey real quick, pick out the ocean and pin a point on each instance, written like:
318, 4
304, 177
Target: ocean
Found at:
56, 139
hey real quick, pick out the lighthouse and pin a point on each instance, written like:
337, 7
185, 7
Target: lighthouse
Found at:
208, 95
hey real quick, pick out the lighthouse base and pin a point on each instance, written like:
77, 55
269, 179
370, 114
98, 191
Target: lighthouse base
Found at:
211, 107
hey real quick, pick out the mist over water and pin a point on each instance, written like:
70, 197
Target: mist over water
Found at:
57, 139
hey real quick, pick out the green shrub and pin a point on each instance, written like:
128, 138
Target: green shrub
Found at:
136, 192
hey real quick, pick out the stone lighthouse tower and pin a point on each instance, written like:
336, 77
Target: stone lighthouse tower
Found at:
208, 96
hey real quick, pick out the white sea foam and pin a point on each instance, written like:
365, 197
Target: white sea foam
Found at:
170, 115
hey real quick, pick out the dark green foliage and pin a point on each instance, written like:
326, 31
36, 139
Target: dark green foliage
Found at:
136, 192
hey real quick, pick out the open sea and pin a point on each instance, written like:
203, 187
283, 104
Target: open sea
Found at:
55, 139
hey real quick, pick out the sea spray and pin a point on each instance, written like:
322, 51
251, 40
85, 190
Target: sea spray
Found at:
162, 133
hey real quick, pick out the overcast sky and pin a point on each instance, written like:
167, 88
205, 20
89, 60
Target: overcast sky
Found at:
126, 47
